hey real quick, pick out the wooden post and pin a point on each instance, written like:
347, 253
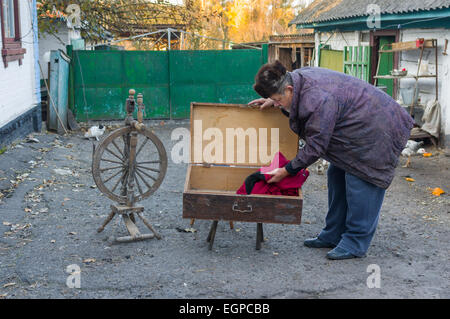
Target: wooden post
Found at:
149, 226
107, 220
259, 235
302, 57
212, 234
437, 71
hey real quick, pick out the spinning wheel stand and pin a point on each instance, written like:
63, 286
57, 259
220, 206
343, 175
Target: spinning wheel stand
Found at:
134, 158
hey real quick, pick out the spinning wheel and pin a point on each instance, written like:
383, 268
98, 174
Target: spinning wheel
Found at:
128, 166
113, 173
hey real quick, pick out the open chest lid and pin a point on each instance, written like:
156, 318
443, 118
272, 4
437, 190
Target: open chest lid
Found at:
235, 134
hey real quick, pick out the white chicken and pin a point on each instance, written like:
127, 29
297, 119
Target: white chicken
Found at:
421, 151
411, 148
321, 166
95, 131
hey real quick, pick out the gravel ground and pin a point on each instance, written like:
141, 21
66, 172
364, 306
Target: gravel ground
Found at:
48, 221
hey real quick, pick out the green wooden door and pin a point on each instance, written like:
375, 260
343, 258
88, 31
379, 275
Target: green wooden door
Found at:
357, 62
386, 65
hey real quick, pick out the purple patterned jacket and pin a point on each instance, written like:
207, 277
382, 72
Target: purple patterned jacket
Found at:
349, 123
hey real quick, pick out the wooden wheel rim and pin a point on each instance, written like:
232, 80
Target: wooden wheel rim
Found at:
100, 150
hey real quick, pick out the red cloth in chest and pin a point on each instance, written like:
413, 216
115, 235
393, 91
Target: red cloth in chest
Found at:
288, 186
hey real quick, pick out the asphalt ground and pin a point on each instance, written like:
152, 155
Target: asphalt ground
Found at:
48, 222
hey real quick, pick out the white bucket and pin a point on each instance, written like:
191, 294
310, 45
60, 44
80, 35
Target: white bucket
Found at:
407, 95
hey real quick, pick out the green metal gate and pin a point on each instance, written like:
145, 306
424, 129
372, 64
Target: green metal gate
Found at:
169, 80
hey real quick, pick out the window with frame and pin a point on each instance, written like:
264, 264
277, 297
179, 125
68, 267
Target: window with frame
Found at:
10, 31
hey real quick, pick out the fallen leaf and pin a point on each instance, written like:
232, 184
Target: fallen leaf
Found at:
427, 154
437, 191
200, 270
17, 227
7, 223
63, 172
275, 254
409, 179
72, 233
53, 241
9, 284
89, 260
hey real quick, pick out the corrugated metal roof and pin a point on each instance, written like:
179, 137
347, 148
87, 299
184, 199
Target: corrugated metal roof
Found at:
300, 33
328, 10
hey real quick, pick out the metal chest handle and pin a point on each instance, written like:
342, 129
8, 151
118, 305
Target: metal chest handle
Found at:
248, 210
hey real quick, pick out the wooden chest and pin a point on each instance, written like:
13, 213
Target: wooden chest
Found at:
228, 143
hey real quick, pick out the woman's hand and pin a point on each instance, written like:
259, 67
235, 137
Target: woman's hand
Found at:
262, 103
278, 175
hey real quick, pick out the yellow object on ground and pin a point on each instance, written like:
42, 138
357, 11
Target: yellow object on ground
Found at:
409, 179
437, 191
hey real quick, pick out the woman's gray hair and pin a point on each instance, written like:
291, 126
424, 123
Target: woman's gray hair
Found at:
272, 78
282, 83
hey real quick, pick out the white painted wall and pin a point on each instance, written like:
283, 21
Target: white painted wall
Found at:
338, 40
48, 42
17, 82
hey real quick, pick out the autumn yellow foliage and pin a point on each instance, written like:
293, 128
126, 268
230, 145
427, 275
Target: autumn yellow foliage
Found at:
236, 21
246, 20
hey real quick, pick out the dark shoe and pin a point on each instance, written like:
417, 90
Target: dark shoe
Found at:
339, 254
317, 243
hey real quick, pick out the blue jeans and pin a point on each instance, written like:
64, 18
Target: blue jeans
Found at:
353, 210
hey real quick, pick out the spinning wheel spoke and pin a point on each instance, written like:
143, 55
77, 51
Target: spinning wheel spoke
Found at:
149, 162
148, 168
111, 161
138, 185
121, 179
112, 176
120, 151
141, 171
143, 179
107, 149
109, 168
123, 189
142, 146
